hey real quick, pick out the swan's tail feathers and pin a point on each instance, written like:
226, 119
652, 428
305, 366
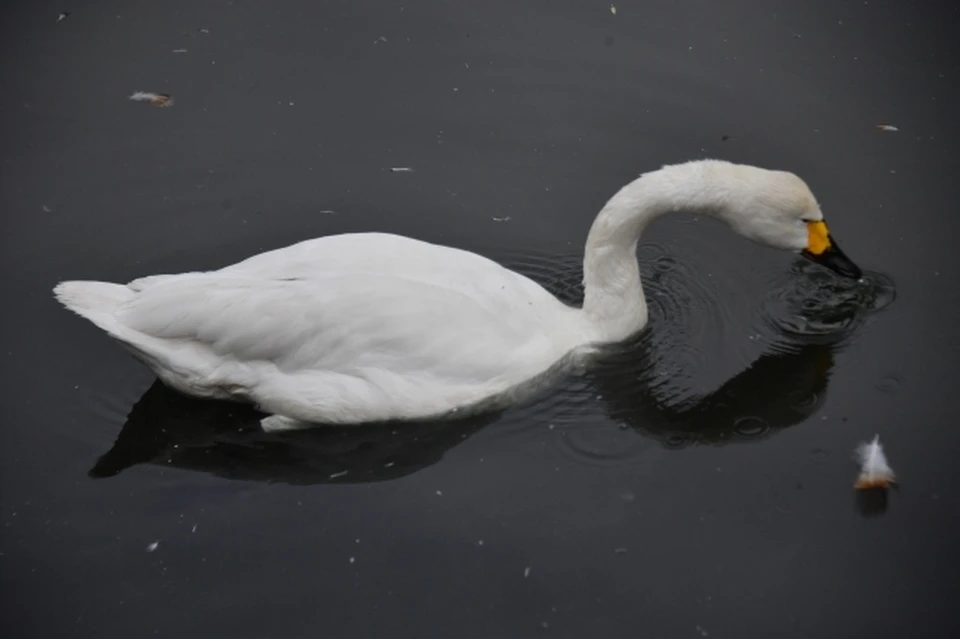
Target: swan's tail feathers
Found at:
96, 301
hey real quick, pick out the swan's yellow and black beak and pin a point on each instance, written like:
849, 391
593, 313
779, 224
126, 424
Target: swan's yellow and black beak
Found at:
823, 250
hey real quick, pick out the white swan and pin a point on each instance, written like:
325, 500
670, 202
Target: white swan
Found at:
368, 326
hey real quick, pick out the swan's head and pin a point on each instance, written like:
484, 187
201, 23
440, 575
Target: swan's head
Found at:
778, 209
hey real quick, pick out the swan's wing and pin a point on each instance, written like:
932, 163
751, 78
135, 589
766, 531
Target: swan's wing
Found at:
345, 323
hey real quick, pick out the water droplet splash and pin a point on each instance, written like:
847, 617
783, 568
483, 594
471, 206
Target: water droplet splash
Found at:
809, 301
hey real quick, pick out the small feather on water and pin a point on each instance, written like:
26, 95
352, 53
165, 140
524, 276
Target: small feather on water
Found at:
875, 471
158, 99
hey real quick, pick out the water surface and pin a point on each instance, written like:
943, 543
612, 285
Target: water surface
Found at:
696, 481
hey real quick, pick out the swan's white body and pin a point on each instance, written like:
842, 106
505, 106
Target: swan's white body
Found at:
367, 327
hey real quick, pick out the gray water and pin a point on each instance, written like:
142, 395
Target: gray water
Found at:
696, 481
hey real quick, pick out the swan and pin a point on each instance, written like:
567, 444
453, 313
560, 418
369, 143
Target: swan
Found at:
366, 327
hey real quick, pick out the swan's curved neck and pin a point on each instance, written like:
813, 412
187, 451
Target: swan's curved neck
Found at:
614, 304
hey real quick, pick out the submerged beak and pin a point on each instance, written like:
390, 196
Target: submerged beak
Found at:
823, 250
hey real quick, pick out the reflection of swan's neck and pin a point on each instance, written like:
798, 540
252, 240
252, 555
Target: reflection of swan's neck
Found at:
614, 305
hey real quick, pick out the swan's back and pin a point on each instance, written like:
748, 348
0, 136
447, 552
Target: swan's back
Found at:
370, 253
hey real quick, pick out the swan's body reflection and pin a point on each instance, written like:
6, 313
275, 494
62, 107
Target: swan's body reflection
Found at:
781, 388
778, 390
226, 440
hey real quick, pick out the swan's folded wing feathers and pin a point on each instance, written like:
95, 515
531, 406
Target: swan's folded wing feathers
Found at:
341, 323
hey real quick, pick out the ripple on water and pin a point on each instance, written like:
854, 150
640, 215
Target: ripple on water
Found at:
889, 384
751, 427
691, 302
601, 444
810, 302
559, 273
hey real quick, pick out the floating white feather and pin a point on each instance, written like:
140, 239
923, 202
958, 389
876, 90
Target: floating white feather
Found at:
158, 99
875, 472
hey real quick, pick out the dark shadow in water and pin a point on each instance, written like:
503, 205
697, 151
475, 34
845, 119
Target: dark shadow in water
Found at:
225, 439
871, 503
781, 388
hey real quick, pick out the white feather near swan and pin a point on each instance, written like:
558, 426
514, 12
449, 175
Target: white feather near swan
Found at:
875, 471
369, 326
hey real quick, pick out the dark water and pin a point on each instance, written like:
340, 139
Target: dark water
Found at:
695, 482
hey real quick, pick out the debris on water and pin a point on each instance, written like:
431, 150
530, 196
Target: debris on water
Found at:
887, 127
202, 30
401, 169
328, 212
157, 99
613, 10
526, 572
501, 219
875, 472
353, 560
153, 546
340, 474
47, 209
724, 138
439, 494
703, 631
619, 551
379, 40
63, 16
194, 529
179, 51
